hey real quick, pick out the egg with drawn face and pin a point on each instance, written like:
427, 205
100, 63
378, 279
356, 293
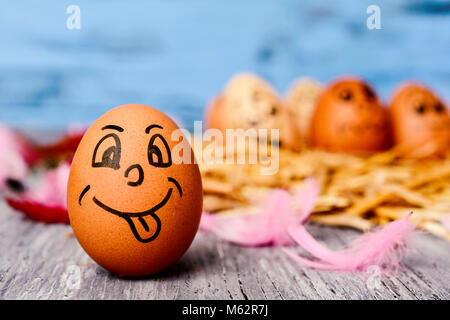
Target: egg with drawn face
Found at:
348, 117
420, 118
301, 100
249, 102
134, 208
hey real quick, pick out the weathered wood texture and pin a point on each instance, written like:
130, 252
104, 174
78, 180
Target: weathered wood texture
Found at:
37, 262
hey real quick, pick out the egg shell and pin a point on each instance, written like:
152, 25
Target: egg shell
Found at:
301, 100
108, 238
349, 118
214, 114
419, 118
248, 101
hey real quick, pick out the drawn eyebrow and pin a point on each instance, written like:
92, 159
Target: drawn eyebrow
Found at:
113, 127
150, 127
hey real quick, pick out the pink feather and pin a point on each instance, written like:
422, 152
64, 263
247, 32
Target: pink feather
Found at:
47, 201
277, 223
382, 247
264, 228
15, 156
267, 227
307, 197
52, 189
446, 222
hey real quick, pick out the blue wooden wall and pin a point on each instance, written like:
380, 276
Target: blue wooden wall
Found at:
175, 54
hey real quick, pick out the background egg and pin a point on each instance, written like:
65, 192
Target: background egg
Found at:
301, 100
132, 208
420, 120
348, 117
214, 114
248, 102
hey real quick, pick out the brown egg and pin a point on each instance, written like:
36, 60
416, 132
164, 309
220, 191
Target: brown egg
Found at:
250, 102
132, 207
214, 114
301, 100
420, 118
349, 118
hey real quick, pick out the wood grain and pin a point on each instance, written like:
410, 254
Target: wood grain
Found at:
37, 259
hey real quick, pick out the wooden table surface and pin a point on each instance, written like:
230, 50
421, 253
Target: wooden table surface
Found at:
41, 261
176, 56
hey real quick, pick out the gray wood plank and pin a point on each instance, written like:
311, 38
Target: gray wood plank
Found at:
37, 262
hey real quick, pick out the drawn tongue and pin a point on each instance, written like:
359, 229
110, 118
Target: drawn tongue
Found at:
145, 227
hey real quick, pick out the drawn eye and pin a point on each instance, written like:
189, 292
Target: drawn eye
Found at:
346, 95
159, 152
369, 92
107, 152
420, 109
273, 111
439, 107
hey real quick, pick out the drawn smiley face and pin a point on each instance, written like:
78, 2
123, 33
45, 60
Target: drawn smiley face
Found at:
419, 117
107, 154
125, 189
349, 117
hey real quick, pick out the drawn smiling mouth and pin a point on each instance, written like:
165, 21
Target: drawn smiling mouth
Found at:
139, 222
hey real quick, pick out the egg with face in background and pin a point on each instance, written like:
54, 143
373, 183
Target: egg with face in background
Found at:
133, 208
249, 102
348, 117
420, 121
